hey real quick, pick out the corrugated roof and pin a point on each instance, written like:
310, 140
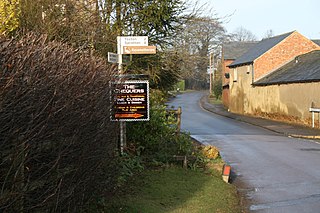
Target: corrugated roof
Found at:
233, 50
259, 49
304, 68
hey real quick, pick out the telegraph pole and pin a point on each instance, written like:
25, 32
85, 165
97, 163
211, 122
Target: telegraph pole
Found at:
211, 69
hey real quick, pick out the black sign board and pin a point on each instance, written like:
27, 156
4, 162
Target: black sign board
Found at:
130, 100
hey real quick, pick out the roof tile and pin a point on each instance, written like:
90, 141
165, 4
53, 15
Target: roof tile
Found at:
259, 49
233, 50
304, 68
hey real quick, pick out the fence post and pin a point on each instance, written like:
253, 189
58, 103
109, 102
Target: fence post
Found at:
179, 112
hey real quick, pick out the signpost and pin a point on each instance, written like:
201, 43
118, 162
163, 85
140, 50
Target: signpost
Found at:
112, 57
139, 50
133, 40
130, 100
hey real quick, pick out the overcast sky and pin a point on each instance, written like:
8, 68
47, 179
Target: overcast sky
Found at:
280, 16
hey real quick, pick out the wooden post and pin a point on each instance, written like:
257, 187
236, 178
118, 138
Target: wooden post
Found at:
312, 119
185, 162
179, 112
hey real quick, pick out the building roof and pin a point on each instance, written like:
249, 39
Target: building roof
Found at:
304, 68
259, 49
233, 50
317, 41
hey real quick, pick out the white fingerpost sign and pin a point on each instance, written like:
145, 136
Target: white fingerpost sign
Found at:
131, 41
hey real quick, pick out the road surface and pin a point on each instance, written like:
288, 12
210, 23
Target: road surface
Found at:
273, 172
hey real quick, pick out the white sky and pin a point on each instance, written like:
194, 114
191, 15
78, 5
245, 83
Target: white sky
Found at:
280, 16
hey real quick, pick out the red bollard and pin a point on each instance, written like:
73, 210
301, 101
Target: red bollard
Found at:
226, 172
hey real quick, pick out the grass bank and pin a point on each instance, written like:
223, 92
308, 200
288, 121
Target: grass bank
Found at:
213, 100
176, 190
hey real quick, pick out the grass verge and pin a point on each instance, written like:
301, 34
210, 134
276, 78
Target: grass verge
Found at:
176, 190
212, 99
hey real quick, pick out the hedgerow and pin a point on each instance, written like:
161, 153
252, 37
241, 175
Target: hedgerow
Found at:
57, 144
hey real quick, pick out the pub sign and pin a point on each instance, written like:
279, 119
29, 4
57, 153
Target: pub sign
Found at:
130, 100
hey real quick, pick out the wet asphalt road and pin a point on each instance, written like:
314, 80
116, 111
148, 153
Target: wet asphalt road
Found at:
273, 173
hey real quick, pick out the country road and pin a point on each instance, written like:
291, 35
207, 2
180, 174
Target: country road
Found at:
272, 172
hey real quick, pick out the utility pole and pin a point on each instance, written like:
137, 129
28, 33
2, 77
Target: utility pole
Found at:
211, 69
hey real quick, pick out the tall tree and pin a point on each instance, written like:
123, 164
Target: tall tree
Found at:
268, 34
201, 36
160, 20
9, 12
95, 24
242, 34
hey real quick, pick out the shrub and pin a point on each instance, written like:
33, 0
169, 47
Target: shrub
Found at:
159, 137
217, 87
211, 152
56, 141
204, 156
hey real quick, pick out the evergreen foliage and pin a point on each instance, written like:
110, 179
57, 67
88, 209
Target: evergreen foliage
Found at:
95, 24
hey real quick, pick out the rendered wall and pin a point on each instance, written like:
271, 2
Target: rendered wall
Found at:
281, 102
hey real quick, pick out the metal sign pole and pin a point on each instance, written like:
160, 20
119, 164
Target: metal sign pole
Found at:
123, 139
130, 45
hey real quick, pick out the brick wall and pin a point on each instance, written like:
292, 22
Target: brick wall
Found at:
226, 69
225, 82
294, 45
225, 96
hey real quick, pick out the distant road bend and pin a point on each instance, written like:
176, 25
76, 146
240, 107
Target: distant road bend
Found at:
273, 172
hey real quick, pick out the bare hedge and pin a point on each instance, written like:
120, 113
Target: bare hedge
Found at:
56, 141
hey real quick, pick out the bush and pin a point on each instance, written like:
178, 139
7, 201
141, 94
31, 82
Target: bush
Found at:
211, 152
159, 137
180, 86
159, 142
56, 141
217, 87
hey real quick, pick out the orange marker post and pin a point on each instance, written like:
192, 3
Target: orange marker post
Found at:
226, 172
